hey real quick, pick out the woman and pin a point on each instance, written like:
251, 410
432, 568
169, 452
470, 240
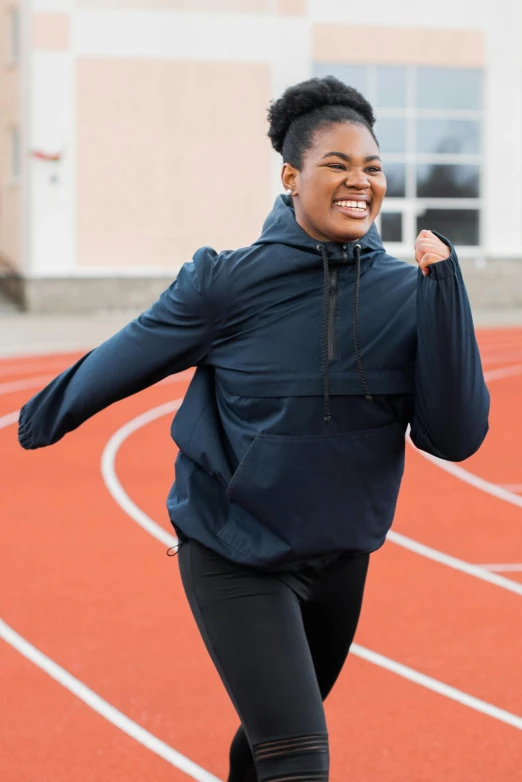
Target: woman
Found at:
314, 351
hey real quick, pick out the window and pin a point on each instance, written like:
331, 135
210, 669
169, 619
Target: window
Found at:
14, 34
429, 127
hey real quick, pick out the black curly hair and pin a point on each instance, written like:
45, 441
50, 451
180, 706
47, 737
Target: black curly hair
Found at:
305, 107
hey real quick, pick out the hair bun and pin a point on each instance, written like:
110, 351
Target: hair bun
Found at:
309, 95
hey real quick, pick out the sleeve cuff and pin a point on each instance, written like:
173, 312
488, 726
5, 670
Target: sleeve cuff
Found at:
25, 435
448, 268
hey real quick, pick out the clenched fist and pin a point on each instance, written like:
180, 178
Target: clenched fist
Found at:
429, 249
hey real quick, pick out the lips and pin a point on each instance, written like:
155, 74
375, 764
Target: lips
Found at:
358, 208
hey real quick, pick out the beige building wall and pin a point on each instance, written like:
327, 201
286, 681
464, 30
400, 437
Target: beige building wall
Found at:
343, 43
170, 156
9, 124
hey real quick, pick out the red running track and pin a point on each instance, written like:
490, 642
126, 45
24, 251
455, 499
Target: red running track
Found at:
92, 591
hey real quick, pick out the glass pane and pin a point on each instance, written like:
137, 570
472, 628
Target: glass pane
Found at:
461, 226
396, 178
391, 87
353, 75
434, 181
391, 226
391, 134
449, 88
449, 136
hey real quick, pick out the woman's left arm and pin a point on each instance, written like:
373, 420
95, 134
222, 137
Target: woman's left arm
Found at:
451, 400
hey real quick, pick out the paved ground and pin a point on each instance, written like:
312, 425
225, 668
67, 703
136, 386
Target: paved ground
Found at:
24, 334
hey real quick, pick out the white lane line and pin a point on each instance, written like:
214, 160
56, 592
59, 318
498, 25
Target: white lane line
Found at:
453, 562
473, 480
10, 418
135, 513
28, 382
437, 686
102, 707
502, 358
482, 484
516, 487
77, 687
511, 567
499, 374
108, 470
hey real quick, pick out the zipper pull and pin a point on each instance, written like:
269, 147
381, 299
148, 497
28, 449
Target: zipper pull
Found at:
345, 252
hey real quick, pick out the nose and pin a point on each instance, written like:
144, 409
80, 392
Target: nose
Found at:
358, 179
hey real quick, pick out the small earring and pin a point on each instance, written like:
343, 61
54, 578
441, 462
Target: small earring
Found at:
289, 190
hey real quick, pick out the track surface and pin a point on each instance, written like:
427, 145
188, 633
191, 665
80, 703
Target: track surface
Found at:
92, 591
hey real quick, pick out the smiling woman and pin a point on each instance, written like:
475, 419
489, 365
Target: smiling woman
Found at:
332, 166
315, 350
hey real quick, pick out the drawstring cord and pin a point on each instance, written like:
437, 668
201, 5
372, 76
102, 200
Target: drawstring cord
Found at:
326, 314
173, 550
358, 360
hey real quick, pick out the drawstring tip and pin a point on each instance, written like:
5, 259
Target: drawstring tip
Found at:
369, 397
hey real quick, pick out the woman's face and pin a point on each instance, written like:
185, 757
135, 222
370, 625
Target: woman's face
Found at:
338, 192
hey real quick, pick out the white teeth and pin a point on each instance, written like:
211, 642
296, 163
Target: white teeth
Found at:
362, 205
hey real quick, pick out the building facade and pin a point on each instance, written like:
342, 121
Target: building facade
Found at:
134, 132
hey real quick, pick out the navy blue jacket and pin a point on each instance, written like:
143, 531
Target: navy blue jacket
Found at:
312, 359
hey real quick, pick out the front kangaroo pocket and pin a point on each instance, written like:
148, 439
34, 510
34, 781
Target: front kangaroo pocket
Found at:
323, 493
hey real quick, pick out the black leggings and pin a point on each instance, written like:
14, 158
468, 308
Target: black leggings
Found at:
279, 642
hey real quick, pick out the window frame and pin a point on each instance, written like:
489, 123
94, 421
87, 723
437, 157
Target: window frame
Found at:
411, 206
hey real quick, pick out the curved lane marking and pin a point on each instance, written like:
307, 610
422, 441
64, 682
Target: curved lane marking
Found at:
9, 418
102, 707
22, 385
135, 513
108, 470
473, 480
482, 484
437, 686
88, 696
501, 358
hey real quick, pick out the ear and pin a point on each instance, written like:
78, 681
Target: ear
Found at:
289, 178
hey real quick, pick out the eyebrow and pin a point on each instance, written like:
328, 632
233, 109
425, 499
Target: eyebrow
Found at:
348, 158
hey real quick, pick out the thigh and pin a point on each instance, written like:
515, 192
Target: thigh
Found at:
252, 626
330, 617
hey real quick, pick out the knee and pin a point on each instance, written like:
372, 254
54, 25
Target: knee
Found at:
294, 759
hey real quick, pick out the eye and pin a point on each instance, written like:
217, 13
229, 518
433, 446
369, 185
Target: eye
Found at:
338, 166
375, 170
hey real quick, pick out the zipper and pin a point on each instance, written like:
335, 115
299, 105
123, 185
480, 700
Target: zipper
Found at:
332, 313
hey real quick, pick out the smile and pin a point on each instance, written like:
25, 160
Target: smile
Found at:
353, 208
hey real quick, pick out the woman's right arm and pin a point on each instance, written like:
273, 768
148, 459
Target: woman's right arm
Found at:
173, 335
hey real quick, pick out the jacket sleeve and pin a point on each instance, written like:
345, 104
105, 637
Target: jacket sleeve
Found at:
173, 335
451, 400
